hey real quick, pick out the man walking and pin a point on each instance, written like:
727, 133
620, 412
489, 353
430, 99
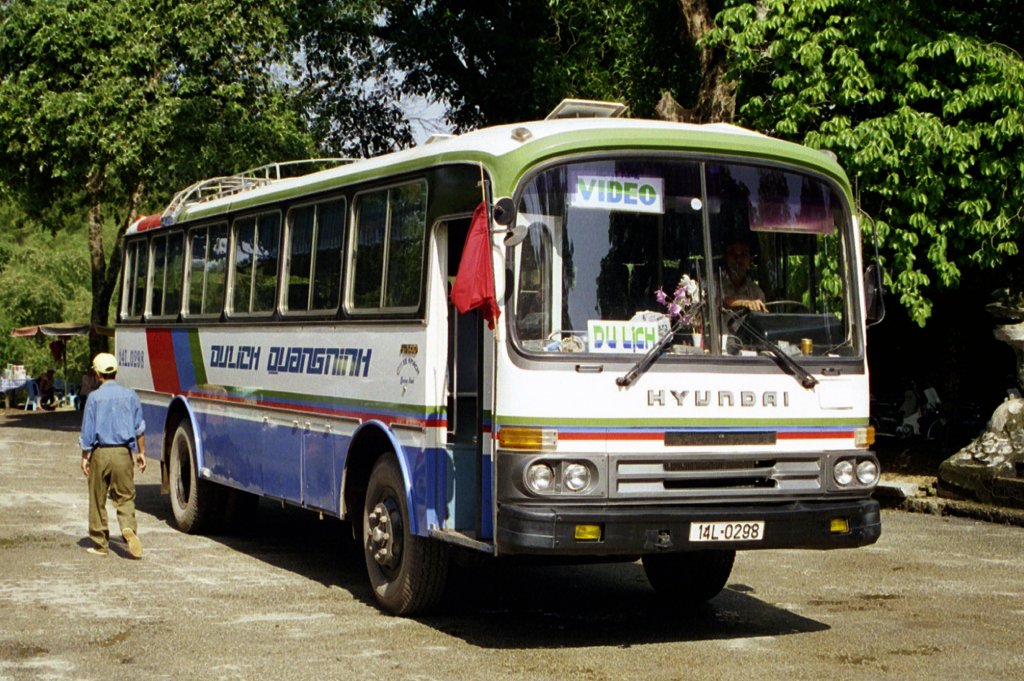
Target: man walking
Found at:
113, 440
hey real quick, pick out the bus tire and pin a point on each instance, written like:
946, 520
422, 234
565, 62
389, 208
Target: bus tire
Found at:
690, 577
194, 502
407, 573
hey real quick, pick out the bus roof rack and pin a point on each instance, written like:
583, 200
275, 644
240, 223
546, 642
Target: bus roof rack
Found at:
586, 108
219, 187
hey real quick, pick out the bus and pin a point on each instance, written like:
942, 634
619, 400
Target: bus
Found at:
595, 396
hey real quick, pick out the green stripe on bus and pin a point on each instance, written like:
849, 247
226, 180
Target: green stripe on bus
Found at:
197, 356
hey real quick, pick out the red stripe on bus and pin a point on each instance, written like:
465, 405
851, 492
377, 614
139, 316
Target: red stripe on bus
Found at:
161, 361
817, 435
803, 435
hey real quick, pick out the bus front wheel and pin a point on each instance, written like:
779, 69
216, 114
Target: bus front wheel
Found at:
193, 501
689, 577
407, 572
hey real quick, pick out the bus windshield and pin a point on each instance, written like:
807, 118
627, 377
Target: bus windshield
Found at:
723, 255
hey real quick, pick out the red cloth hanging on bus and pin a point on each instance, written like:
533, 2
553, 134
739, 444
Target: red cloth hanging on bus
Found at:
474, 284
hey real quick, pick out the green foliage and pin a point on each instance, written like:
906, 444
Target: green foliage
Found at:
501, 62
44, 278
922, 107
110, 106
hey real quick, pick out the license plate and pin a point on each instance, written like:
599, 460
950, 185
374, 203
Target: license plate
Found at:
747, 530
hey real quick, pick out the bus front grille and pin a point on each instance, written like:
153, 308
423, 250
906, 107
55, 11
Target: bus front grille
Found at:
713, 477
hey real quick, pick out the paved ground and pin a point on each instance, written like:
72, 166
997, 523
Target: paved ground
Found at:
936, 598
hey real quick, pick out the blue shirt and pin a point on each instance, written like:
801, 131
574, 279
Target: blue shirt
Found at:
112, 416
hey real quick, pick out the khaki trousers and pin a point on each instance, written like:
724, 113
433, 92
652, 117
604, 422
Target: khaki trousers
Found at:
111, 471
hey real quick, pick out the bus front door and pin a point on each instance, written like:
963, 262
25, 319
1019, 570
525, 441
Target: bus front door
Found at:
464, 402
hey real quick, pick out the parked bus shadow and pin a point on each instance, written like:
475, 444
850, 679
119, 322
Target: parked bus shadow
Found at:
497, 604
502, 605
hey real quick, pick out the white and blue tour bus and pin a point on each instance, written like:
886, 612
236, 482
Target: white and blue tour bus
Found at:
292, 336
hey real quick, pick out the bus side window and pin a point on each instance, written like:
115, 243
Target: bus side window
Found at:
165, 299
326, 277
254, 271
134, 283
313, 263
387, 249
208, 251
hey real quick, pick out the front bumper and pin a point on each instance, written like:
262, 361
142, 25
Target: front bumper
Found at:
546, 530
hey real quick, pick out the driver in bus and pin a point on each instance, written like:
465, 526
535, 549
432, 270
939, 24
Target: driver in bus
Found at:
739, 292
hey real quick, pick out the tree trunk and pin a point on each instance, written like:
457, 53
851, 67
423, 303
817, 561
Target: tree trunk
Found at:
716, 98
105, 273
97, 265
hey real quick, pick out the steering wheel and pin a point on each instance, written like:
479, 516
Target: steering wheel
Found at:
787, 306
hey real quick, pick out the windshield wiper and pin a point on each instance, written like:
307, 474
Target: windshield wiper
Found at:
785, 362
645, 362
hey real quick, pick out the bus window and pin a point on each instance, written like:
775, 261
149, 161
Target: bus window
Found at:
156, 299
326, 277
785, 284
313, 277
166, 294
387, 255
405, 252
139, 296
533, 299
134, 282
208, 250
300, 257
254, 273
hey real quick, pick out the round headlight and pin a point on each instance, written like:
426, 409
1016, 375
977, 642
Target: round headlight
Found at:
843, 472
540, 478
576, 477
867, 472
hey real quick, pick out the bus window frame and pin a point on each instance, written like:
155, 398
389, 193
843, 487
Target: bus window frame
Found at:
187, 286
132, 248
229, 284
348, 302
167, 236
286, 253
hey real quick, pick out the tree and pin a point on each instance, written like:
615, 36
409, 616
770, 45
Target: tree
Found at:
921, 101
109, 105
507, 61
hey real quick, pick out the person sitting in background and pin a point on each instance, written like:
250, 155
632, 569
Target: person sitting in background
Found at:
89, 383
47, 390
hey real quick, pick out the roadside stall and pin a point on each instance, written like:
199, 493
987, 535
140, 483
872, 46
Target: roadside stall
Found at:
58, 333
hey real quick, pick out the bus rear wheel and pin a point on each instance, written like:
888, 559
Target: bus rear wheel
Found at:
194, 502
690, 577
407, 573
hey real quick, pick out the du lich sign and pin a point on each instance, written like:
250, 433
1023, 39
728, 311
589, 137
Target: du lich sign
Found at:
618, 337
634, 194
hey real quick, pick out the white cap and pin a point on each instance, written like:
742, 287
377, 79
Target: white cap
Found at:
104, 363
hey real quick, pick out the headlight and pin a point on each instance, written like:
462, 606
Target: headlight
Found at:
867, 472
540, 478
576, 477
843, 472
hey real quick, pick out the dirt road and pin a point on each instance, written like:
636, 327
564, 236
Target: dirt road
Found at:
937, 598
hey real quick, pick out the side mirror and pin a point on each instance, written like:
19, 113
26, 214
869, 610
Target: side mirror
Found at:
874, 294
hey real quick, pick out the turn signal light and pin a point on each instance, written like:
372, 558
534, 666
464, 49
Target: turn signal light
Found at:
864, 437
527, 439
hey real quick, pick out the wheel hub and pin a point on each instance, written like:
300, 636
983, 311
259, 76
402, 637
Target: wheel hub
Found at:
385, 532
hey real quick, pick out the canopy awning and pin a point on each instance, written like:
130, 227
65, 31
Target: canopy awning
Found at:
62, 330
